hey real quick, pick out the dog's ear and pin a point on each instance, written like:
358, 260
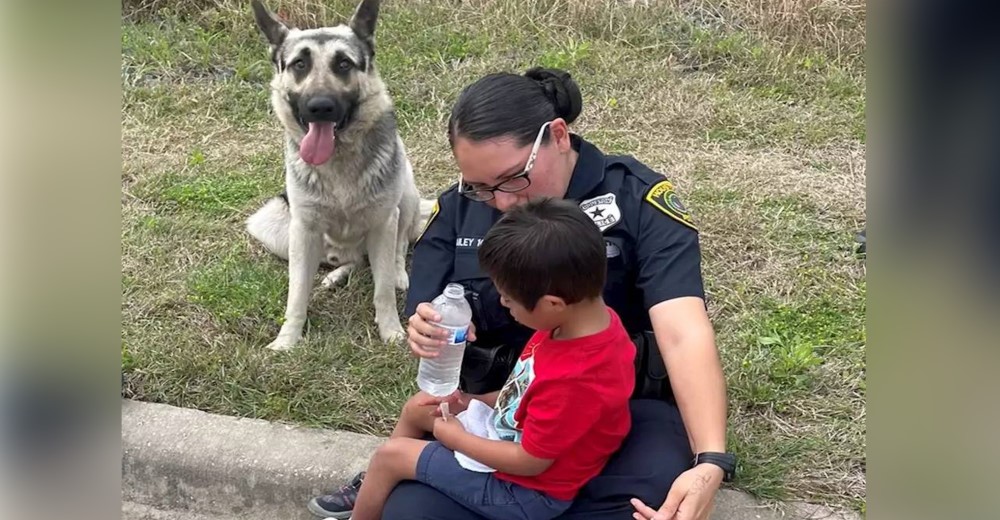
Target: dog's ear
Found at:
363, 21
273, 29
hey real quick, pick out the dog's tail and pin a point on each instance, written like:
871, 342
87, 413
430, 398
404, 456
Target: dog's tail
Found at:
269, 225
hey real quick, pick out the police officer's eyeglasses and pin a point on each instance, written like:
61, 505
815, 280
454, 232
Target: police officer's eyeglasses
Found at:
512, 185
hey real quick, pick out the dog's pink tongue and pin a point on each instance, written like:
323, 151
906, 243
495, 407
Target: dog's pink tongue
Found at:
317, 145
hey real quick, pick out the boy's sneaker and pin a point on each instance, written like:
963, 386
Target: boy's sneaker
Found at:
340, 503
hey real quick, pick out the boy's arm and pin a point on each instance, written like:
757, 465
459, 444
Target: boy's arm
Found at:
490, 399
505, 456
463, 399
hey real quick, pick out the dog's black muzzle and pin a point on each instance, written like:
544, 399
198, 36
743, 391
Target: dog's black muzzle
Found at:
316, 109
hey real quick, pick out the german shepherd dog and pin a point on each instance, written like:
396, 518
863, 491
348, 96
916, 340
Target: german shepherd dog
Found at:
349, 185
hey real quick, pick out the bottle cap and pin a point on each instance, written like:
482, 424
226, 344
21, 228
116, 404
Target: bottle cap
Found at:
454, 290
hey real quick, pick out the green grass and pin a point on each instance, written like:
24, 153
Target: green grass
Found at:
760, 124
212, 195
236, 288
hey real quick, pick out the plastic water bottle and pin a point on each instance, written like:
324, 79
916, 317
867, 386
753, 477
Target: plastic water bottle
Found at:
438, 376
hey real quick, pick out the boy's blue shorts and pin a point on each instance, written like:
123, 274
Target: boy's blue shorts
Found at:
483, 493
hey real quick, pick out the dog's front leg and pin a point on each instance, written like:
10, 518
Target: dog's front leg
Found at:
304, 251
381, 246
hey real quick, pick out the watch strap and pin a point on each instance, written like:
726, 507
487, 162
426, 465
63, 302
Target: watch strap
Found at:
726, 461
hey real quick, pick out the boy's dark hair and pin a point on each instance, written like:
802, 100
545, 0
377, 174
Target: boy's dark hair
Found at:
545, 247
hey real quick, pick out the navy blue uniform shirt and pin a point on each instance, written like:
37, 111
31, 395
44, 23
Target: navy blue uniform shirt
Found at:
651, 241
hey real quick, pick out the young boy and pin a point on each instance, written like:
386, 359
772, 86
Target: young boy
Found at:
564, 409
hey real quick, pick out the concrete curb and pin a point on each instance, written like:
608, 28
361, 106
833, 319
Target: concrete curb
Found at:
188, 460
133, 511
182, 463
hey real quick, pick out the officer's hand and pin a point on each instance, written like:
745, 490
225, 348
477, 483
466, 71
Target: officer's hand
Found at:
691, 496
424, 337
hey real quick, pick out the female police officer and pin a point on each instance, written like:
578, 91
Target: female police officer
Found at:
510, 138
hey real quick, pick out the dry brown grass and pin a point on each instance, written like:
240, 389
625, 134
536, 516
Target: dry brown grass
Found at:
835, 26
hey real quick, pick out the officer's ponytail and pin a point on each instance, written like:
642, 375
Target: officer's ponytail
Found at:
561, 90
514, 106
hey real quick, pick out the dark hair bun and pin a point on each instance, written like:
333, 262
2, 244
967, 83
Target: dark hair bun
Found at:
561, 90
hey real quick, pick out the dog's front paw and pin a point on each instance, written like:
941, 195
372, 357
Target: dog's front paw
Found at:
392, 333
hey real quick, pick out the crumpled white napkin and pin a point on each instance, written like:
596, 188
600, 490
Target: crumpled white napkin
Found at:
477, 420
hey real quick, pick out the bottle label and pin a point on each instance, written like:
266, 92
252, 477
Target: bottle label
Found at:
457, 334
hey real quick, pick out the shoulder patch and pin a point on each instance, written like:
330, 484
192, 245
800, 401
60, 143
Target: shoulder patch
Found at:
430, 218
663, 197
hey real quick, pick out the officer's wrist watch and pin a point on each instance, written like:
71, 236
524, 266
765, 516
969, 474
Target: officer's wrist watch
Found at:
726, 461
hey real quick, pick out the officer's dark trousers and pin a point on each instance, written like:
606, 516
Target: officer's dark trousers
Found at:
655, 452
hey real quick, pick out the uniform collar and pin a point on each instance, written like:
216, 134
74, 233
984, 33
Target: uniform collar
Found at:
589, 170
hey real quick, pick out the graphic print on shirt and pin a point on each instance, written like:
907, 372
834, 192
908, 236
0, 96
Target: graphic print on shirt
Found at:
510, 397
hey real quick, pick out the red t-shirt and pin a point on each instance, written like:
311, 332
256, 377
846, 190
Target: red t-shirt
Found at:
567, 400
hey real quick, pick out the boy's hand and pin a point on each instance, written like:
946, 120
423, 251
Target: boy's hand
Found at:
457, 402
447, 430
